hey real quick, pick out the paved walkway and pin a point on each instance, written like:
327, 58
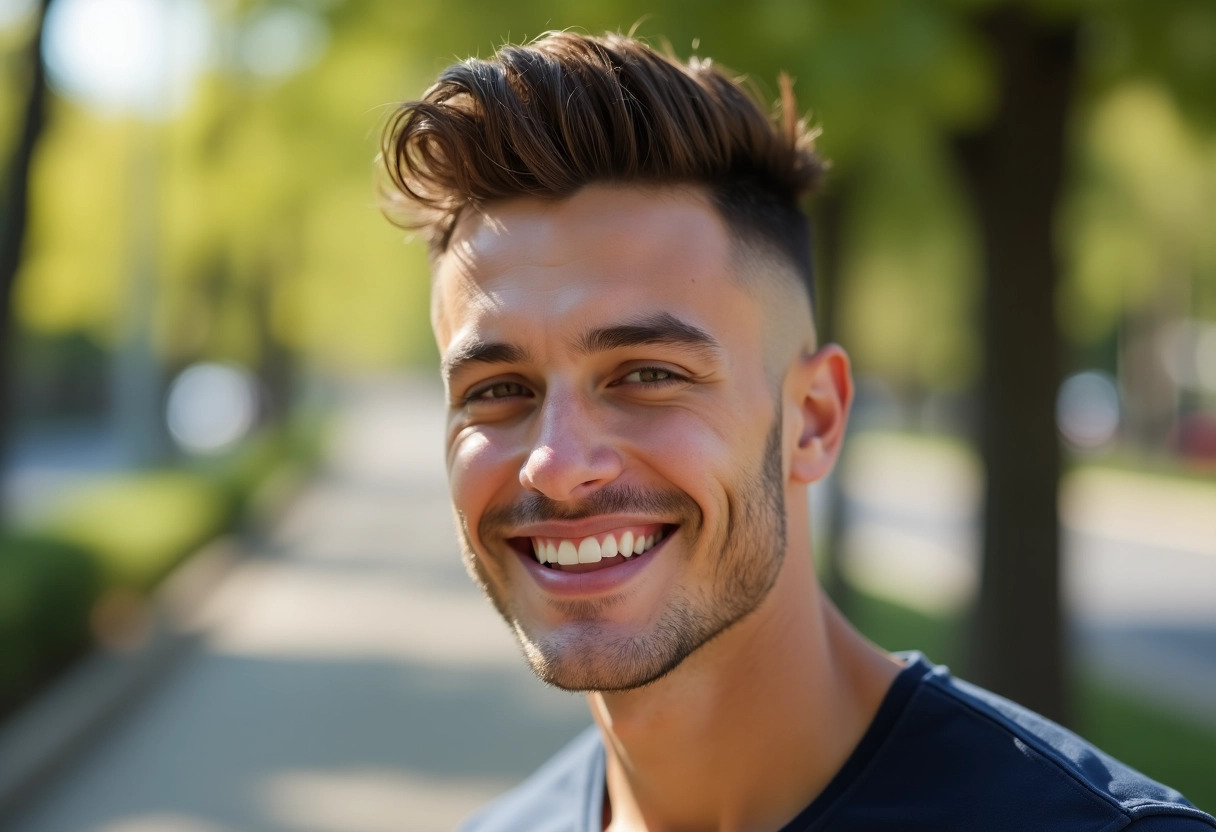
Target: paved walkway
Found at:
347, 677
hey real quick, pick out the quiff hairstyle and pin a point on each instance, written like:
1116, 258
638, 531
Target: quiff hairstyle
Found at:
568, 110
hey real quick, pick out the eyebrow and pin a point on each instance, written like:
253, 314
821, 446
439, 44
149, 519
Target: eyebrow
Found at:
476, 351
660, 328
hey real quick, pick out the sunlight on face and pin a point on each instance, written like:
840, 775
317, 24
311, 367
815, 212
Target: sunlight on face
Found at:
606, 370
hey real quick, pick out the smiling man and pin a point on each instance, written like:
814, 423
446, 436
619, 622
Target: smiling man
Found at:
637, 407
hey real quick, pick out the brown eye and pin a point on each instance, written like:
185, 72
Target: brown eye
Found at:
499, 390
649, 375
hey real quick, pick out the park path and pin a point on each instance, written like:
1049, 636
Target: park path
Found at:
347, 677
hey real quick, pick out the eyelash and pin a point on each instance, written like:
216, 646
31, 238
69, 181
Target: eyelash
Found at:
672, 377
479, 394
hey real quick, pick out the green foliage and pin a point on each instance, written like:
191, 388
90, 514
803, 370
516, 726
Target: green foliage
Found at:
74, 273
138, 526
47, 590
60, 376
1137, 227
908, 283
268, 232
1172, 42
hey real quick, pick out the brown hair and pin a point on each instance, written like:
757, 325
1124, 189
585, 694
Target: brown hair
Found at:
568, 110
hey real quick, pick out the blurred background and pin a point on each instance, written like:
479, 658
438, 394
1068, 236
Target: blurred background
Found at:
230, 596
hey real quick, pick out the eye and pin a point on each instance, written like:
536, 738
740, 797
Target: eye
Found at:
652, 376
498, 390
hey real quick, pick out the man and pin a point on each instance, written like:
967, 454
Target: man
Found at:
622, 302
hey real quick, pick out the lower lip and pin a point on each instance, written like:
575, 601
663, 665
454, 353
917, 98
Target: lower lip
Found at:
587, 584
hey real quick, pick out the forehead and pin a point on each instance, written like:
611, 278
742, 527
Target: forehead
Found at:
604, 251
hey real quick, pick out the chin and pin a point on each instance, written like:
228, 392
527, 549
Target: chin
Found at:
592, 656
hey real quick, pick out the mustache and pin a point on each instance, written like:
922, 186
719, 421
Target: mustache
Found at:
537, 508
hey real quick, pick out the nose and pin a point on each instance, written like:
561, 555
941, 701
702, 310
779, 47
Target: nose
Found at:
571, 456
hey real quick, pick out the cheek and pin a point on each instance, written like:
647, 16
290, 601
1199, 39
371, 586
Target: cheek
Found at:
694, 450
478, 468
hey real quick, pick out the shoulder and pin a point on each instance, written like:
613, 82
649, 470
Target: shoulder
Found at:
1170, 823
1019, 762
561, 796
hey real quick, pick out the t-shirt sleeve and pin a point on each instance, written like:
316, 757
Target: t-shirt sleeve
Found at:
561, 796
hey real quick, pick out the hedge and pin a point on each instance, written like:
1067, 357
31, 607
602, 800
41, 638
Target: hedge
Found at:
118, 538
47, 591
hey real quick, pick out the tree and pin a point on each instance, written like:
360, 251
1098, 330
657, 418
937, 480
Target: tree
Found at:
14, 210
1014, 169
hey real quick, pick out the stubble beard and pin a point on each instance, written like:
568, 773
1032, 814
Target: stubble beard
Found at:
584, 654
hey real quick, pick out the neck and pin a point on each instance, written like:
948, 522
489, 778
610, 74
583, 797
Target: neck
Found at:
752, 726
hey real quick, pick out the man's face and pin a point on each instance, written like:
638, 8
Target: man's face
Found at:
608, 391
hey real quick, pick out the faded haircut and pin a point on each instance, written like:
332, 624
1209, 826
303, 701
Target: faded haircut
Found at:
567, 110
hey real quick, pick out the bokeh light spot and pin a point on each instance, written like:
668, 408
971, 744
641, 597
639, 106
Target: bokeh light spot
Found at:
127, 55
1087, 410
211, 407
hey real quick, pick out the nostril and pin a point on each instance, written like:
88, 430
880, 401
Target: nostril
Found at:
563, 472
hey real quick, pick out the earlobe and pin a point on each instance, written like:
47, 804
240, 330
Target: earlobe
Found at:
820, 390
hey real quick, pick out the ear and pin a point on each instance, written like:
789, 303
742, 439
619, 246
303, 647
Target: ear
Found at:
819, 391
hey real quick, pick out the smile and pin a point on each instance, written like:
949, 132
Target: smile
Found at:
596, 551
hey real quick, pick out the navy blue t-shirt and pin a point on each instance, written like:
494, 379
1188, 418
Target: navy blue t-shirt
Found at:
940, 756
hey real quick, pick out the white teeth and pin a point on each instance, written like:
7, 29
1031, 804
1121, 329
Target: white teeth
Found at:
588, 551
566, 553
545, 552
626, 544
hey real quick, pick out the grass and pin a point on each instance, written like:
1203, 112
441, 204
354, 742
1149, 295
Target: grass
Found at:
1166, 746
1163, 745
141, 525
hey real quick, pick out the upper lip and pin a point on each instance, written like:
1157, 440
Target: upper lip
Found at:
587, 527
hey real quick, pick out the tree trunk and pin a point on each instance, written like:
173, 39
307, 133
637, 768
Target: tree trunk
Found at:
1014, 171
14, 218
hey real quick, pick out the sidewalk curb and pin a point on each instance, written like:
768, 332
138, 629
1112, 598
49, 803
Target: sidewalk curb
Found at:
62, 722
